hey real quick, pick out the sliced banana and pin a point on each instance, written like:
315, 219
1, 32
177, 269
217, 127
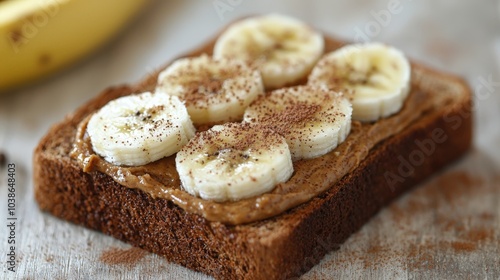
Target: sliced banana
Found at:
137, 129
233, 161
378, 76
313, 120
214, 90
285, 49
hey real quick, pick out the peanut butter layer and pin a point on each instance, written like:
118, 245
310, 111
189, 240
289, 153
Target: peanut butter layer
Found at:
311, 177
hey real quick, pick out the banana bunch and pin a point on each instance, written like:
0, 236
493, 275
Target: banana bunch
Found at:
40, 37
258, 134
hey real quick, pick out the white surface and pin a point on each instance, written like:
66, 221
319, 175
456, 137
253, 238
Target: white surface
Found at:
457, 36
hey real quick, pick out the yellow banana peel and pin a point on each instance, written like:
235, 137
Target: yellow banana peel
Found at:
39, 37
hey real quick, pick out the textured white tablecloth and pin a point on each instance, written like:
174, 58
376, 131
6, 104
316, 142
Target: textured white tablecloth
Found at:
457, 36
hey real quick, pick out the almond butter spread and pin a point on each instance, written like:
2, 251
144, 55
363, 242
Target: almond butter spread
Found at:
311, 177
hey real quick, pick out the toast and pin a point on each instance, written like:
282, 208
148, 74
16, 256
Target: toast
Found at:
280, 247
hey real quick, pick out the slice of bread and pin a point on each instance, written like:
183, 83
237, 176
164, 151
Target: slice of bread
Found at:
281, 247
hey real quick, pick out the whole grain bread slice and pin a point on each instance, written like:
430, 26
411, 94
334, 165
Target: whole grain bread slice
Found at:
281, 247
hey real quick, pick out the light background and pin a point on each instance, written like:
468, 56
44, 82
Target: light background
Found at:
461, 37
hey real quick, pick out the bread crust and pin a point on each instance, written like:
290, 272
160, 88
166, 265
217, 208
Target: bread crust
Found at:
281, 247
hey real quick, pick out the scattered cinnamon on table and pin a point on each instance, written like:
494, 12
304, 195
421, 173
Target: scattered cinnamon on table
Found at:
128, 257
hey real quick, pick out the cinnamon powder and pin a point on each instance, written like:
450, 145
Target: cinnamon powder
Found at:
429, 224
463, 246
117, 256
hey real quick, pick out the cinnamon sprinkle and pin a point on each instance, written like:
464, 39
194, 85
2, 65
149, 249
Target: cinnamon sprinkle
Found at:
205, 81
202, 89
463, 246
285, 110
128, 257
294, 113
454, 232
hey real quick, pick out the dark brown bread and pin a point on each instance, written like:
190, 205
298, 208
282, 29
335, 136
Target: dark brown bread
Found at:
281, 247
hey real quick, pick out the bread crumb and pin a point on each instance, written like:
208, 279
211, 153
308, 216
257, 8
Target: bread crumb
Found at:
49, 258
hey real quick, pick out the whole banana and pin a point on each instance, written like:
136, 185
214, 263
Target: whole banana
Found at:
40, 37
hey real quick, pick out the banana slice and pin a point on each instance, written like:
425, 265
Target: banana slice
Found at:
214, 90
378, 76
285, 49
233, 161
137, 129
313, 120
